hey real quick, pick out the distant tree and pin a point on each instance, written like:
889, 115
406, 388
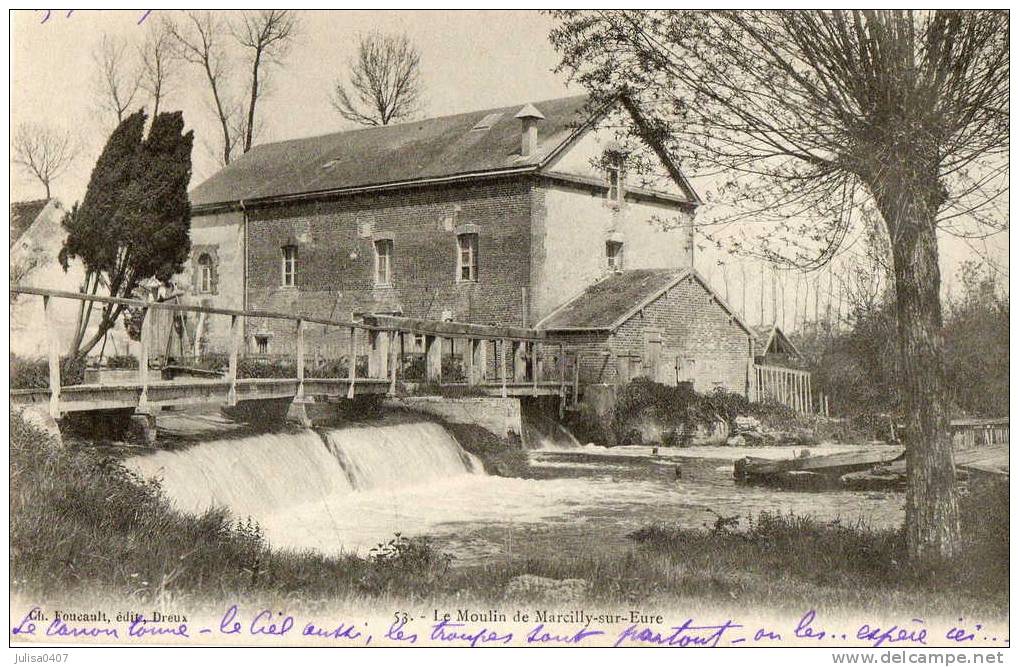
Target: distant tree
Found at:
977, 343
117, 78
810, 116
43, 152
384, 83
222, 50
158, 66
201, 40
266, 36
22, 266
134, 221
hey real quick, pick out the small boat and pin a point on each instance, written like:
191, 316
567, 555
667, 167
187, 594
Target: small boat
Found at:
811, 471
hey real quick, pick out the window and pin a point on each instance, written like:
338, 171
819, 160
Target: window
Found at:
289, 266
467, 257
614, 255
419, 342
383, 262
614, 176
262, 343
205, 273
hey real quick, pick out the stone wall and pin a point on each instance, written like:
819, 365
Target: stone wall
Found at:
500, 416
700, 341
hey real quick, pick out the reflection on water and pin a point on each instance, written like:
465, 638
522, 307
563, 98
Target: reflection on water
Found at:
345, 490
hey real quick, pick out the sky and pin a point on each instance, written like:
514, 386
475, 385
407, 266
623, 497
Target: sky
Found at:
470, 60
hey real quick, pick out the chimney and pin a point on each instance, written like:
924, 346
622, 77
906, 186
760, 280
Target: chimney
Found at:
529, 117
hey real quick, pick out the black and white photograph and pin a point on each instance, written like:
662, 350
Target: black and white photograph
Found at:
478, 328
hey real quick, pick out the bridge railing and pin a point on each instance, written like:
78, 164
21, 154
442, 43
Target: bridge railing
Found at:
499, 356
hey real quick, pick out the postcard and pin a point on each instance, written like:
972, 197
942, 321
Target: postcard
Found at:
533, 328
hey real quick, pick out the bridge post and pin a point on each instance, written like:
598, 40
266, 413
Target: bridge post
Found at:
300, 359
236, 332
296, 412
373, 361
352, 362
53, 345
433, 359
519, 361
143, 356
394, 359
502, 365
536, 365
378, 354
562, 380
479, 360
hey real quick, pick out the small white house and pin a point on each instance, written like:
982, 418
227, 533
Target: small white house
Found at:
36, 237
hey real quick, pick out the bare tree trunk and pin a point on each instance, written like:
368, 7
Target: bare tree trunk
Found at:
932, 511
106, 323
249, 131
761, 284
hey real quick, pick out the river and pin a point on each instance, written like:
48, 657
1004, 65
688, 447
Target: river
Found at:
344, 490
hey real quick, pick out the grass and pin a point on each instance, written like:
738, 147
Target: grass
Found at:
81, 522
804, 561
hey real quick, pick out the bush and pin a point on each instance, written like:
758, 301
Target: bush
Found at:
677, 410
121, 362
280, 367
35, 373
674, 413
416, 370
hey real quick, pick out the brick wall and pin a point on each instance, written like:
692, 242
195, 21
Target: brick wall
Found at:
336, 257
591, 350
700, 342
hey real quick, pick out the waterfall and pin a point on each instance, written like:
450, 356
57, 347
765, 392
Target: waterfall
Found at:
541, 432
246, 475
399, 455
263, 474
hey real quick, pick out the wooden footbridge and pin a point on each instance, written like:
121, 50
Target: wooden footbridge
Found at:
523, 363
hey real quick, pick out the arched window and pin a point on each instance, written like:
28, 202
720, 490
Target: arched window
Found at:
205, 276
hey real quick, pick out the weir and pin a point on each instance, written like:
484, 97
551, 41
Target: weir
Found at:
264, 474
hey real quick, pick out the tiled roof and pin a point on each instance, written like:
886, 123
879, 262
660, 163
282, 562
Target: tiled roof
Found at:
23, 214
602, 305
763, 335
479, 141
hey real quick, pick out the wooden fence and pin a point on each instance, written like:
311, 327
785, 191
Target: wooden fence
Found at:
788, 386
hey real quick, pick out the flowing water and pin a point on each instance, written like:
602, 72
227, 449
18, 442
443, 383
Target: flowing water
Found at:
346, 489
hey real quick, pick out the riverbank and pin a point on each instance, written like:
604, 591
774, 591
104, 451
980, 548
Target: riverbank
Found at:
81, 522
